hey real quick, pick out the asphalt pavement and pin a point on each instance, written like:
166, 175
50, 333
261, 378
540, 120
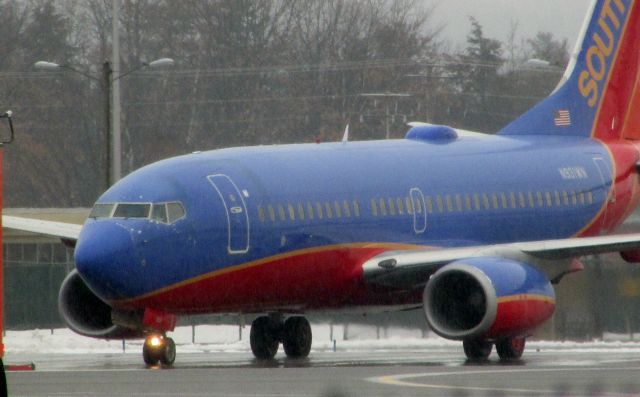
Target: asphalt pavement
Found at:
438, 371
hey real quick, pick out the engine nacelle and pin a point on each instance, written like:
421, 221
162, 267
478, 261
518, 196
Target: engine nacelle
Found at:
487, 298
87, 314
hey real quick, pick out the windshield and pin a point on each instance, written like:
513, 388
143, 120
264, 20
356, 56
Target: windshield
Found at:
132, 211
159, 212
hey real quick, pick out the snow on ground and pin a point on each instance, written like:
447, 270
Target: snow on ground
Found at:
230, 338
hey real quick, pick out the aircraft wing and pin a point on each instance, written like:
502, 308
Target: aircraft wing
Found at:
412, 268
66, 231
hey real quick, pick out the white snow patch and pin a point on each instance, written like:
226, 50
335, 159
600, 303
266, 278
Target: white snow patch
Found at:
226, 338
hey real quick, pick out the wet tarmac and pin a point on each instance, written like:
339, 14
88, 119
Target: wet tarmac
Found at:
440, 371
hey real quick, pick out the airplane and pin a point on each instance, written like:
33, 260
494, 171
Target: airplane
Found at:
475, 229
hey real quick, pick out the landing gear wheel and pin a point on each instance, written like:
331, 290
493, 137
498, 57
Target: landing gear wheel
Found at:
296, 338
150, 354
477, 349
264, 337
510, 348
158, 348
168, 352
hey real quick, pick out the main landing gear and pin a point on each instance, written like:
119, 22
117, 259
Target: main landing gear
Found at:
158, 348
507, 348
267, 332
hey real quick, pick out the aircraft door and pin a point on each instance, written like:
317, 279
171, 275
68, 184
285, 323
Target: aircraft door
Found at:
605, 174
236, 212
419, 210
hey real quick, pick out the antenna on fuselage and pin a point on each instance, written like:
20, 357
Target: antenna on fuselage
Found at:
345, 137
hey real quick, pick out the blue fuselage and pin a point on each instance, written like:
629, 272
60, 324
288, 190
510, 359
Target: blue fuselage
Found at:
247, 204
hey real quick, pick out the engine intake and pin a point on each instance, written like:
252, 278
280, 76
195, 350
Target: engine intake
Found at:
87, 314
487, 298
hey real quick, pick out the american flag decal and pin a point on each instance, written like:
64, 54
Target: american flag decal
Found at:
562, 118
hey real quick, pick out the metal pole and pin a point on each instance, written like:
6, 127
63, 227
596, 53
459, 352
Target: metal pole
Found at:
386, 122
106, 92
1, 272
115, 86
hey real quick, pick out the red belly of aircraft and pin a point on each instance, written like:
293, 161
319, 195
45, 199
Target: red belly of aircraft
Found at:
309, 279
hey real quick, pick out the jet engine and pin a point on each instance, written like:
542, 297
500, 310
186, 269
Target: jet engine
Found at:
87, 314
487, 298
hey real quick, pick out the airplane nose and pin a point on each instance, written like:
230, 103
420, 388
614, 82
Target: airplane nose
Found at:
104, 256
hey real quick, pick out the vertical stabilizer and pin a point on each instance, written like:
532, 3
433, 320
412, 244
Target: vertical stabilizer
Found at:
599, 96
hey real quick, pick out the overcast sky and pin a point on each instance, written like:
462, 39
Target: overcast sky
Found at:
561, 17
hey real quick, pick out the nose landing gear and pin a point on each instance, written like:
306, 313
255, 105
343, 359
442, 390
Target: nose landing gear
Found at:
159, 348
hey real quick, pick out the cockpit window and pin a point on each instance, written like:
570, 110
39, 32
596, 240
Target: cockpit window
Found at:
175, 211
159, 213
101, 211
132, 210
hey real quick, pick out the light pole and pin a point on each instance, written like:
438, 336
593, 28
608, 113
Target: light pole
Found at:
106, 80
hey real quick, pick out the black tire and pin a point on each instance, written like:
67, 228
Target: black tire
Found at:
264, 338
510, 348
150, 355
477, 349
168, 352
297, 337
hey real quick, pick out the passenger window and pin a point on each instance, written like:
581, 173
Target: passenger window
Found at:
467, 202
418, 207
310, 211
496, 205
400, 206
409, 203
281, 212
336, 206
272, 213
159, 213
261, 214
175, 211
590, 197
540, 200
132, 211
449, 203
523, 202
429, 204
383, 207
557, 196
565, 197
356, 208
512, 199
531, 202
439, 203
328, 210
476, 201
485, 201
319, 210
458, 202
101, 211
549, 200
503, 199
292, 212
392, 207
582, 198
345, 209
574, 197
300, 211
374, 207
